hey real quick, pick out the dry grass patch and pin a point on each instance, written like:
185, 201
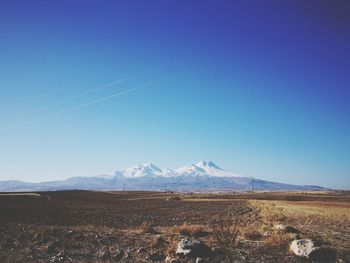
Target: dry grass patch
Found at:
192, 230
278, 240
225, 233
307, 209
282, 210
171, 246
250, 233
147, 228
269, 213
326, 222
144, 228
174, 198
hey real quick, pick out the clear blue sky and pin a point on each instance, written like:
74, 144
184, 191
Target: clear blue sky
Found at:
259, 87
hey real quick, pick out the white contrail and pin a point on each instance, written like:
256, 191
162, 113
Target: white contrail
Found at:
80, 106
101, 87
97, 101
36, 109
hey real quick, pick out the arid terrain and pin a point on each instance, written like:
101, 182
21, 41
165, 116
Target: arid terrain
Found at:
88, 226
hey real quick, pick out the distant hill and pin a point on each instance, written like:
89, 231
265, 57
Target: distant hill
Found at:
203, 176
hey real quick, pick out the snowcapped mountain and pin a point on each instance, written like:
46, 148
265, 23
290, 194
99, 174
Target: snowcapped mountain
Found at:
202, 168
141, 170
191, 170
203, 176
205, 168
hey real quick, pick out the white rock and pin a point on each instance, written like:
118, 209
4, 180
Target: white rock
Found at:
192, 248
303, 247
184, 247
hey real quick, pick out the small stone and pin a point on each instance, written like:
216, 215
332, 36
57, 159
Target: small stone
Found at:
141, 250
192, 248
243, 255
291, 229
286, 229
69, 231
60, 257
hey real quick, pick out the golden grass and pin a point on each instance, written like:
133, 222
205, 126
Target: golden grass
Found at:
278, 240
322, 221
21, 194
275, 211
171, 246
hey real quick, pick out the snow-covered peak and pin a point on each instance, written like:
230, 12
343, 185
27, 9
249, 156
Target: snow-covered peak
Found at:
212, 169
192, 170
207, 164
143, 170
152, 166
169, 173
203, 168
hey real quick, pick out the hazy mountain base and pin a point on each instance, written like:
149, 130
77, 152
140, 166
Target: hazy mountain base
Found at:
179, 183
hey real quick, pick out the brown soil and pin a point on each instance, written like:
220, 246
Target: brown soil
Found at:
87, 226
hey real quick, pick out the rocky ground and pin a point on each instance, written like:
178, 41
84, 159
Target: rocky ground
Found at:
84, 226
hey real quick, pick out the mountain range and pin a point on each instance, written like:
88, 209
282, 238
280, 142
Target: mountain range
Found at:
203, 176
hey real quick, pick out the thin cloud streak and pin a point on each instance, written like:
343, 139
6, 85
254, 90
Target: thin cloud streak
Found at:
36, 109
101, 87
97, 101
83, 105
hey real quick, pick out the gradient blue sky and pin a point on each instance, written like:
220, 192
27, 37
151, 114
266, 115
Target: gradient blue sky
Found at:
259, 87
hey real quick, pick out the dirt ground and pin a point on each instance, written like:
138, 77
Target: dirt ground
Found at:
87, 226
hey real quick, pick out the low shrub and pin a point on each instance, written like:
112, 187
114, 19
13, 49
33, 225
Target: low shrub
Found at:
174, 198
192, 230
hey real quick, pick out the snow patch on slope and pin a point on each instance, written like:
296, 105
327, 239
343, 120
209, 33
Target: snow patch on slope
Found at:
203, 168
214, 170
